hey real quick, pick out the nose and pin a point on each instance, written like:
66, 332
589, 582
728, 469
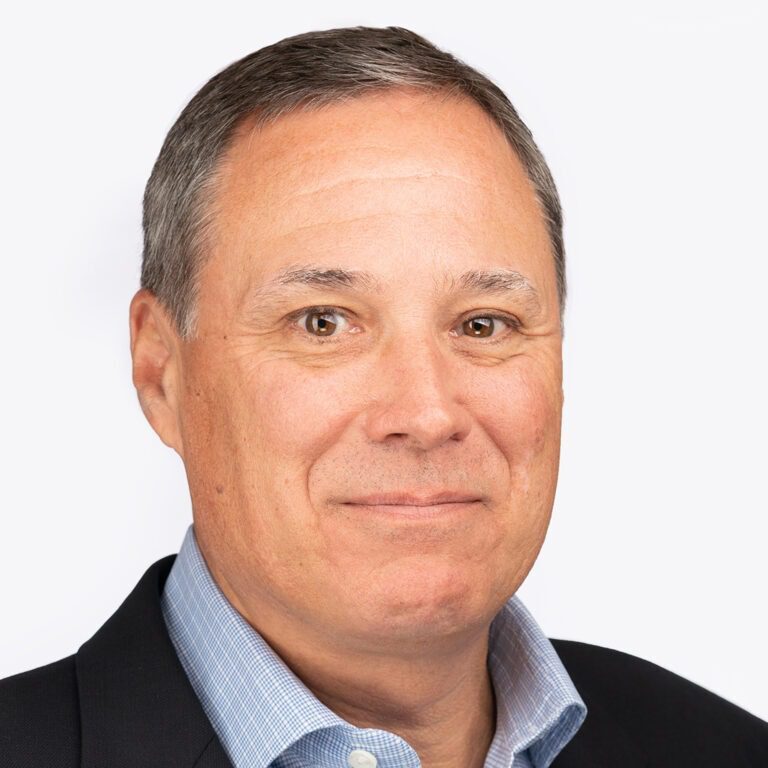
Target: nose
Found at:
416, 399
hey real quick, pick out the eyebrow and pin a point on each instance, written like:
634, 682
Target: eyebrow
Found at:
324, 277
501, 281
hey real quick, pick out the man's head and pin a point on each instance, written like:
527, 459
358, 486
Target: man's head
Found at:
301, 72
370, 307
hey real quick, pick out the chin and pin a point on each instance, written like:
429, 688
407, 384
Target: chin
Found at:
427, 603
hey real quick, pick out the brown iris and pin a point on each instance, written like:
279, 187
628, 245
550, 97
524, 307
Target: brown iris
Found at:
318, 324
479, 327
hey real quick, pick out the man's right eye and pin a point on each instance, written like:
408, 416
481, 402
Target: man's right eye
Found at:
321, 323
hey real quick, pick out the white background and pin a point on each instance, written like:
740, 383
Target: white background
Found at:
653, 118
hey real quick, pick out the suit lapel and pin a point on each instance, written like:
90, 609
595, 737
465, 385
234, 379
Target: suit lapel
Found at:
137, 706
601, 743
602, 740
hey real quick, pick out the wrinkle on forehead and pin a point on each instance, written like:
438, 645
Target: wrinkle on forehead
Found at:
399, 179
337, 182
284, 150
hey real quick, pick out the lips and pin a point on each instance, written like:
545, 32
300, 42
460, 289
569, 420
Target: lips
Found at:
401, 499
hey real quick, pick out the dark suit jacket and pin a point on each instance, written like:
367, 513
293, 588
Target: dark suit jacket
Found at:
124, 701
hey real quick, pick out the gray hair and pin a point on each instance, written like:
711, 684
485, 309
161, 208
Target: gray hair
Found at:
301, 72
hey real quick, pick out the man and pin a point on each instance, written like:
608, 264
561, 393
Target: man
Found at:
349, 328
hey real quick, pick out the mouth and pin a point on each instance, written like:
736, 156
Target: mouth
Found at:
414, 506
405, 499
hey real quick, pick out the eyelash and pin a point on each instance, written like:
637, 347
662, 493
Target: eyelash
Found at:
510, 320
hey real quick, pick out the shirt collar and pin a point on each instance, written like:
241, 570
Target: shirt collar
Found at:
537, 705
259, 708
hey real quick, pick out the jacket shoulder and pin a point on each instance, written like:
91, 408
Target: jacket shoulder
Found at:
39, 718
674, 720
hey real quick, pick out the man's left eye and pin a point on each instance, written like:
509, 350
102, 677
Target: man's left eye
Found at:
483, 326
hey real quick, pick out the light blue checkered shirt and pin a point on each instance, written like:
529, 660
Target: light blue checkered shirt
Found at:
265, 716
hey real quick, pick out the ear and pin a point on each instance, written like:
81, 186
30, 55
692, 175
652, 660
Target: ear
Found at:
155, 351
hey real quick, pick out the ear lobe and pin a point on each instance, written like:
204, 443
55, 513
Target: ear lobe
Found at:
156, 366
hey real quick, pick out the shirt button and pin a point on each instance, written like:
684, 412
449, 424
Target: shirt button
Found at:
359, 758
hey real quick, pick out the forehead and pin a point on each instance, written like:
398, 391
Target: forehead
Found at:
398, 182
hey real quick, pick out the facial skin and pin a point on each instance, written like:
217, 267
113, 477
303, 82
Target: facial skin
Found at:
279, 429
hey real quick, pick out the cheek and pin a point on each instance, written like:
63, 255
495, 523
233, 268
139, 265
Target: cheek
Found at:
525, 426
252, 427
253, 431
297, 414
522, 415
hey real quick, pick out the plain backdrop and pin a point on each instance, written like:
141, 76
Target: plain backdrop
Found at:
653, 119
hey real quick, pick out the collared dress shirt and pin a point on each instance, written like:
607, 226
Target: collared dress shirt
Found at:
265, 717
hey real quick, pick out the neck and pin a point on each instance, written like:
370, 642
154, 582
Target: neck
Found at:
443, 707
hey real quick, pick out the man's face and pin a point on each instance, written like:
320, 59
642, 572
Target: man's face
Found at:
300, 402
